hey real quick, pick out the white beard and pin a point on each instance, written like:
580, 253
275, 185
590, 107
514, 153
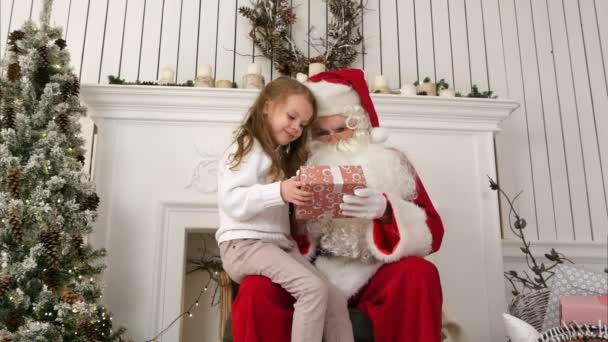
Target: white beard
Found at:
384, 171
383, 168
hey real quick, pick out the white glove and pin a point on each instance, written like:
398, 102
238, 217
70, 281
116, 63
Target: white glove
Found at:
365, 204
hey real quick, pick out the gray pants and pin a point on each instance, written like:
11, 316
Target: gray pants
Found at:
320, 310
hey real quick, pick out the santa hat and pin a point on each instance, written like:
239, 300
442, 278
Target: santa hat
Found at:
339, 89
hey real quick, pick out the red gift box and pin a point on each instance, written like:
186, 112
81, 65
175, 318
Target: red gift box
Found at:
328, 184
584, 309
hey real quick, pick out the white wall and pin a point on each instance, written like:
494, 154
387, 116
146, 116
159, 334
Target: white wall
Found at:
551, 56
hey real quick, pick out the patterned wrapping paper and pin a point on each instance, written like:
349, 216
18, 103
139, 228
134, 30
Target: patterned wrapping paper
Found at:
572, 281
328, 184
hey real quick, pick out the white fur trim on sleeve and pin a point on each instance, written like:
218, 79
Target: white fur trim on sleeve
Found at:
415, 236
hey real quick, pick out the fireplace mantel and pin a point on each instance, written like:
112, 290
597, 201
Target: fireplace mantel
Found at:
156, 153
153, 103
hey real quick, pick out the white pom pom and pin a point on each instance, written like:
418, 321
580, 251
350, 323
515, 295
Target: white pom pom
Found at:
518, 330
379, 135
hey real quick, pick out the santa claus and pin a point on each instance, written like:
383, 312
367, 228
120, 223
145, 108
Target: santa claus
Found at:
376, 256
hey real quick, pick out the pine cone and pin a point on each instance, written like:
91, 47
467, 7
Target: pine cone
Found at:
90, 202
80, 158
78, 245
5, 284
14, 320
5, 336
14, 221
87, 329
51, 278
41, 77
70, 296
8, 118
63, 122
14, 36
51, 239
14, 181
14, 72
70, 88
43, 51
61, 43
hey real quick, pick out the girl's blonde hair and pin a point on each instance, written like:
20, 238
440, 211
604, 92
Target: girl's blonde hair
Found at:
286, 160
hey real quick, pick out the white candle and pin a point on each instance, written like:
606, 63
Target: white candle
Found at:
167, 75
301, 77
254, 68
204, 70
315, 68
380, 82
447, 92
408, 90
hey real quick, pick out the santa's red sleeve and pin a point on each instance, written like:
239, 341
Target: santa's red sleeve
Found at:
414, 228
306, 246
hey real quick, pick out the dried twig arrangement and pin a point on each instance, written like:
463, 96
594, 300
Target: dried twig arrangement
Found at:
271, 20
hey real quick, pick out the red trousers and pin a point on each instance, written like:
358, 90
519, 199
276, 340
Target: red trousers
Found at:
403, 300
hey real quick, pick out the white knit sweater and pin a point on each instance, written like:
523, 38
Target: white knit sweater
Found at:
250, 206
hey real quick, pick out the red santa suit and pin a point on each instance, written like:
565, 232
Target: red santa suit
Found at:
377, 263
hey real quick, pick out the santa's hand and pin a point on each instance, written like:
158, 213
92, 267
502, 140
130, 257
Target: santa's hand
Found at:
365, 204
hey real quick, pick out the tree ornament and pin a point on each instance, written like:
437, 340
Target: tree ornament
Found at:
80, 157
74, 87
14, 222
60, 43
43, 52
14, 181
14, 72
5, 336
78, 245
88, 329
70, 296
90, 202
8, 117
63, 122
15, 36
5, 283
14, 319
270, 23
51, 239
51, 278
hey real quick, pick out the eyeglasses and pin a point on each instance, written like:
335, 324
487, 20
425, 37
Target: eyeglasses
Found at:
340, 131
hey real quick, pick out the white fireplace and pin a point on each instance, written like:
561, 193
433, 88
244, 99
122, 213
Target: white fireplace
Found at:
155, 173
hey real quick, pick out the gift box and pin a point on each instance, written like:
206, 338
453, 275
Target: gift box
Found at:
584, 309
328, 185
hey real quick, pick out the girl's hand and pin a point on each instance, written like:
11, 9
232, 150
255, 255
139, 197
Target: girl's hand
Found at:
291, 192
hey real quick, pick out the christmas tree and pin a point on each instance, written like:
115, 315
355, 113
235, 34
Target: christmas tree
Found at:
49, 289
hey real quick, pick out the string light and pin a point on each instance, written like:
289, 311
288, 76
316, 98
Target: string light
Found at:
187, 312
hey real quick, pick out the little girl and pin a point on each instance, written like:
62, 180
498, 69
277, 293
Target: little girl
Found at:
255, 184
